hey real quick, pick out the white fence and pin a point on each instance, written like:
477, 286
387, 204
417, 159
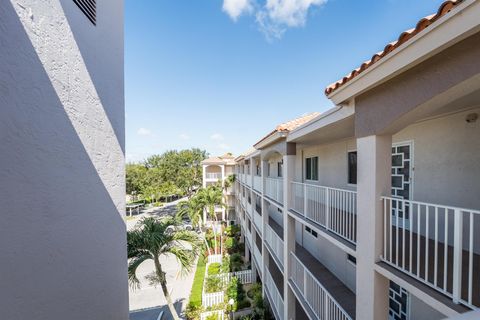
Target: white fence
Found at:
213, 175
274, 242
257, 183
334, 209
214, 258
437, 245
244, 277
257, 219
219, 314
323, 305
277, 301
274, 189
212, 299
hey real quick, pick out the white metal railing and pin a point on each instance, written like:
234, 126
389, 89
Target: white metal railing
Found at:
274, 189
435, 244
274, 242
249, 209
323, 305
334, 209
213, 175
257, 219
218, 314
212, 299
257, 183
214, 258
248, 180
277, 300
248, 236
258, 256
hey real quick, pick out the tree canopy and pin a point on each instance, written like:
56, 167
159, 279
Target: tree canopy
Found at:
173, 172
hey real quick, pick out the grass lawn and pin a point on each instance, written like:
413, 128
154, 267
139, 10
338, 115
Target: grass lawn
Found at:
196, 292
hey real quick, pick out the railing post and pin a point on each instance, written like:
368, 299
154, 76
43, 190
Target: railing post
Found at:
305, 201
457, 255
327, 208
326, 306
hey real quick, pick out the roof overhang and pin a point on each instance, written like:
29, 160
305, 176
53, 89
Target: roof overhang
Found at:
271, 139
334, 124
462, 22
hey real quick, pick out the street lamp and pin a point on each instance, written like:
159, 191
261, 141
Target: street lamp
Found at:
231, 302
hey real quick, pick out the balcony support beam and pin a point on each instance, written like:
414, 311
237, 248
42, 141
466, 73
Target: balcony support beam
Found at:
374, 181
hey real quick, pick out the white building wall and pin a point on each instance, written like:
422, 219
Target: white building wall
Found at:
63, 239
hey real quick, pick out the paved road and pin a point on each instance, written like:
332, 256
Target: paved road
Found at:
148, 296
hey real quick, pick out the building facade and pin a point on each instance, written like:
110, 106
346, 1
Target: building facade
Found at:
371, 209
62, 235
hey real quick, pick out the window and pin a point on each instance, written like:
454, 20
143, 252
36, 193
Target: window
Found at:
259, 173
352, 259
268, 169
280, 169
311, 168
311, 231
352, 167
89, 8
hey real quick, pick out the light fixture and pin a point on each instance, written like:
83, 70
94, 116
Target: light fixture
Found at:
471, 117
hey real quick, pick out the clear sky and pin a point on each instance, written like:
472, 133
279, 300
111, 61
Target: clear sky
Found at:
220, 74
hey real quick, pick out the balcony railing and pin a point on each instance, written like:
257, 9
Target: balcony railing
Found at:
323, 305
258, 257
333, 209
248, 180
257, 219
249, 209
274, 295
257, 183
241, 177
274, 242
213, 175
274, 189
435, 244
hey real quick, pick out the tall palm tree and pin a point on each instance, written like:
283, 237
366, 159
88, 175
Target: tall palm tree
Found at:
210, 197
151, 239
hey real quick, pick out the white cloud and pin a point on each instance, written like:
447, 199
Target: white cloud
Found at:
217, 137
144, 132
184, 136
235, 8
273, 17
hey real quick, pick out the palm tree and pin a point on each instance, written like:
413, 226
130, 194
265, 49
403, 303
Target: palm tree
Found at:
211, 197
150, 240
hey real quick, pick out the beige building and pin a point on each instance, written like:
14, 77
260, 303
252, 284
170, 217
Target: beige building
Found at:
371, 210
216, 170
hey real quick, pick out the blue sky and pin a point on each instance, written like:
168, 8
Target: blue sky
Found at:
220, 74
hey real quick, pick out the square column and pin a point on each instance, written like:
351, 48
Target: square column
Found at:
288, 229
374, 181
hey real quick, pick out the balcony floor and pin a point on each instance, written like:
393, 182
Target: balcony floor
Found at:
276, 227
431, 262
339, 291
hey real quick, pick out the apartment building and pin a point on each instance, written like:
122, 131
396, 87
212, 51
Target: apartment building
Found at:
371, 210
62, 190
217, 170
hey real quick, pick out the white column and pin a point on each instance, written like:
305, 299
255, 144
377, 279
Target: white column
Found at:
288, 229
222, 167
204, 176
374, 181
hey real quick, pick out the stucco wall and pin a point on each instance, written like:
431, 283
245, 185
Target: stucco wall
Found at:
62, 235
332, 163
446, 160
421, 311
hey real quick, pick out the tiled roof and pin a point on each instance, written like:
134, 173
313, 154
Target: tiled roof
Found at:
291, 125
225, 158
445, 7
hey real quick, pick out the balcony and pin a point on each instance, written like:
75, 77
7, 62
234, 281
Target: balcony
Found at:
257, 183
323, 295
258, 221
248, 180
274, 189
274, 241
213, 176
257, 254
274, 296
331, 208
436, 245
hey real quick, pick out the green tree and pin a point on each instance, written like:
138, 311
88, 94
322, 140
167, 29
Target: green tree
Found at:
211, 197
150, 240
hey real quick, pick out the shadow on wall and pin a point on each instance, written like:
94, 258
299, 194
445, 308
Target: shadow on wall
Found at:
63, 241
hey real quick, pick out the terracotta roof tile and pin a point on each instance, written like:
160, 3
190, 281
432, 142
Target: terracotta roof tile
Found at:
291, 125
444, 8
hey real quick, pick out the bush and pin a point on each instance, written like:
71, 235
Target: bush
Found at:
232, 293
236, 262
213, 284
254, 291
193, 311
225, 267
214, 268
229, 244
243, 304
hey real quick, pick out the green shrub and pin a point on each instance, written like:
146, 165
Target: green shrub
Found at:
213, 284
214, 268
236, 262
193, 311
229, 244
243, 304
197, 285
232, 293
225, 267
